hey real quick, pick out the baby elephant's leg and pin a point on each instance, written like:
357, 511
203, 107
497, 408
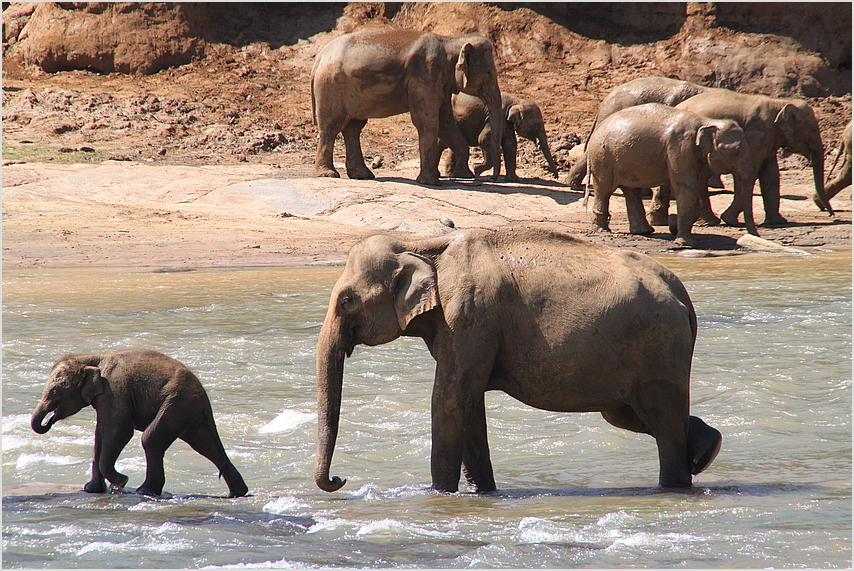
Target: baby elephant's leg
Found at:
205, 440
156, 439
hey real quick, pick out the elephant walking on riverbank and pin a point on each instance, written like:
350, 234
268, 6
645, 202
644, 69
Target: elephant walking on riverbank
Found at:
380, 73
769, 124
137, 389
656, 145
522, 116
558, 323
662, 90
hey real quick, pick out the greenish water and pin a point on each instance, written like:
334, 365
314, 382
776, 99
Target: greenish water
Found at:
772, 371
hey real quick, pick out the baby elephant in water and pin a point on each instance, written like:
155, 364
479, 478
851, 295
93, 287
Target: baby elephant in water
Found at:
138, 389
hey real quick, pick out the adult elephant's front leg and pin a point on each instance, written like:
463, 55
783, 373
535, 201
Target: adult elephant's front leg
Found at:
769, 187
477, 466
457, 409
425, 117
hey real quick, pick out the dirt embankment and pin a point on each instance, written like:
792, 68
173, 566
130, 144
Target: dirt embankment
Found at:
144, 117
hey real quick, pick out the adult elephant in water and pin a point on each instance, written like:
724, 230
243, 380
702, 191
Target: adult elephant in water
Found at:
769, 124
380, 73
639, 91
559, 323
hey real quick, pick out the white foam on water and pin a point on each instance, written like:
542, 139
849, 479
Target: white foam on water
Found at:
287, 420
27, 460
286, 505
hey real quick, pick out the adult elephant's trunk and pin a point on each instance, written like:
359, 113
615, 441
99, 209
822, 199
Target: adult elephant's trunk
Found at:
496, 121
546, 150
330, 374
38, 418
817, 160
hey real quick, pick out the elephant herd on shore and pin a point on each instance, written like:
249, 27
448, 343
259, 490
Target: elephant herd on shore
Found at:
652, 132
559, 323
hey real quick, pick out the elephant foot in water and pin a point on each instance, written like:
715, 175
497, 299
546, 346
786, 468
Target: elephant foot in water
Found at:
95, 487
704, 443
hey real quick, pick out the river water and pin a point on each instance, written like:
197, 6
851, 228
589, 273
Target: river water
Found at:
772, 371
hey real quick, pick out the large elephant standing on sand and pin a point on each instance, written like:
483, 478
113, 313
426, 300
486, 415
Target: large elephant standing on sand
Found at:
558, 323
769, 124
379, 73
656, 145
662, 90
522, 116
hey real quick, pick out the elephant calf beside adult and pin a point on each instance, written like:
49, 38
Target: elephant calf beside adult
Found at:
138, 389
639, 91
656, 145
558, 323
522, 116
769, 124
380, 73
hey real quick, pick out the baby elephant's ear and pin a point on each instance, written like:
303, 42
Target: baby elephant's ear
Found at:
415, 290
93, 384
705, 139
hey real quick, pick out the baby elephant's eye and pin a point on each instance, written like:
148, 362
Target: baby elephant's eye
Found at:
346, 301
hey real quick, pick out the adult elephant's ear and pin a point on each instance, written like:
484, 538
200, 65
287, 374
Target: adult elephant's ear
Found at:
415, 288
705, 139
461, 70
93, 384
787, 121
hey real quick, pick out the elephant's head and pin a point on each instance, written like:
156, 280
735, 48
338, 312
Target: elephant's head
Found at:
527, 121
724, 146
801, 134
475, 74
725, 149
72, 386
383, 288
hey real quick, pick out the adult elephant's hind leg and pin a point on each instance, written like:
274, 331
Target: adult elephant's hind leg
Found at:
328, 129
666, 415
354, 160
205, 440
477, 466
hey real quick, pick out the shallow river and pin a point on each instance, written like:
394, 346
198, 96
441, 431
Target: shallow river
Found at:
772, 371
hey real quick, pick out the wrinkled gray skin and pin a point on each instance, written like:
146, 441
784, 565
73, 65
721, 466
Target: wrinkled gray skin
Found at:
662, 90
558, 323
522, 116
653, 145
138, 389
380, 73
769, 124
843, 175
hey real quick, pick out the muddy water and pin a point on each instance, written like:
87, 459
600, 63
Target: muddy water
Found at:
772, 371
